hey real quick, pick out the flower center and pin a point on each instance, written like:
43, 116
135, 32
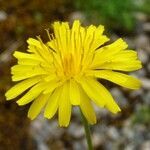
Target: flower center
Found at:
69, 66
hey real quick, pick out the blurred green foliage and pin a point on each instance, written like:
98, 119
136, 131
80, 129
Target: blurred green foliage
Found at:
115, 14
142, 115
145, 7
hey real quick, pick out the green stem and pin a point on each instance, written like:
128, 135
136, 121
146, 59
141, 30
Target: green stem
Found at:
87, 131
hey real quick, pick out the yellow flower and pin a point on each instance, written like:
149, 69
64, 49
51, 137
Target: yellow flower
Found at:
63, 72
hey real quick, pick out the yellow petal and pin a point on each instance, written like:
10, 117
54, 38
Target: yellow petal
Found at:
99, 94
29, 59
33, 93
58, 44
21, 87
89, 38
113, 48
87, 108
63, 36
82, 34
40, 49
104, 53
74, 36
64, 112
118, 78
124, 60
34, 46
24, 68
21, 55
37, 105
88, 57
74, 93
28, 62
126, 55
121, 65
21, 72
92, 91
99, 41
34, 42
52, 104
98, 38
50, 77
51, 87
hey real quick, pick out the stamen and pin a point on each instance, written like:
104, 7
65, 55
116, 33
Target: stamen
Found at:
47, 31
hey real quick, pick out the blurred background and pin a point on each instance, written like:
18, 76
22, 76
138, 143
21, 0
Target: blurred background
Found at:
129, 130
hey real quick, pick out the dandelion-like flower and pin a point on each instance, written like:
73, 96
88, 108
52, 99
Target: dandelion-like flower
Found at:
63, 72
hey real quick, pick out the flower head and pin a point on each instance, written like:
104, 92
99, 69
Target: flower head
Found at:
64, 72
